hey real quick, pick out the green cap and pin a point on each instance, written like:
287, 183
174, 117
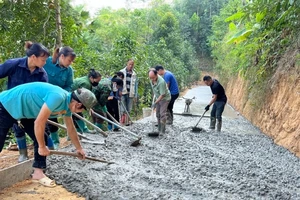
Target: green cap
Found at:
86, 97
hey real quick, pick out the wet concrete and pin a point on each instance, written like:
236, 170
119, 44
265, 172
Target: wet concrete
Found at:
202, 96
238, 163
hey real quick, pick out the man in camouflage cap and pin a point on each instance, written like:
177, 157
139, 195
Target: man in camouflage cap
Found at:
31, 105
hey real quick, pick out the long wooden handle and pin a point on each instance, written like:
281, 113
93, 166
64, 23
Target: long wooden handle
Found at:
63, 153
121, 127
114, 119
65, 128
90, 123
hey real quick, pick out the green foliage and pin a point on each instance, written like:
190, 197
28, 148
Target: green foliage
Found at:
250, 38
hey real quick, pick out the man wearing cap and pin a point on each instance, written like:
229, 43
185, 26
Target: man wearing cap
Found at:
31, 105
161, 100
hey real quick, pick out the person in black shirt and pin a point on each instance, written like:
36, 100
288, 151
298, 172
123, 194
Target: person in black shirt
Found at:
219, 100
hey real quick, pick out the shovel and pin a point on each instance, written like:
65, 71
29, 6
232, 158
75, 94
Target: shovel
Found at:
63, 153
153, 133
90, 123
195, 128
135, 143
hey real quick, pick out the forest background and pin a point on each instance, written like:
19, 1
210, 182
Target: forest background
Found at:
231, 37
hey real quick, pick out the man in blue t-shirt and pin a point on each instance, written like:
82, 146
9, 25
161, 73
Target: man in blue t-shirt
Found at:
173, 87
41, 101
219, 100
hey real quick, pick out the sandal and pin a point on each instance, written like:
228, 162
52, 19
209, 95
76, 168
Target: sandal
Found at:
45, 182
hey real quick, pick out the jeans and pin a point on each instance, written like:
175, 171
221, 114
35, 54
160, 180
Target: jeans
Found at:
7, 122
127, 102
218, 109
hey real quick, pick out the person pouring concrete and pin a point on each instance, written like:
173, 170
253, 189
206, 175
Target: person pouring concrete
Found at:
173, 87
219, 99
40, 101
161, 100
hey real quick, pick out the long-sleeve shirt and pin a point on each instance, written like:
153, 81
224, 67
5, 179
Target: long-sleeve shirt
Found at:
82, 82
60, 76
18, 72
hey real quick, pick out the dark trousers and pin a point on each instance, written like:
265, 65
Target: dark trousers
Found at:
171, 104
51, 127
218, 109
113, 109
7, 122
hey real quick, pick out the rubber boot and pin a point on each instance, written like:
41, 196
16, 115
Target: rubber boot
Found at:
110, 127
99, 125
169, 118
21, 142
159, 126
23, 155
50, 143
156, 133
219, 125
212, 123
55, 139
163, 128
82, 128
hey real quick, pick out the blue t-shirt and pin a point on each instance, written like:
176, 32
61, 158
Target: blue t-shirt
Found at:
171, 80
60, 76
18, 72
26, 100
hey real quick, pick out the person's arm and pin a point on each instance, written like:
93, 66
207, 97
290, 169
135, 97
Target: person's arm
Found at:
44, 77
6, 68
214, 98
136, 89
39, 129
73, 135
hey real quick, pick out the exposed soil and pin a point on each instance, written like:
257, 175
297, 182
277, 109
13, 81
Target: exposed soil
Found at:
277, 114
27, 190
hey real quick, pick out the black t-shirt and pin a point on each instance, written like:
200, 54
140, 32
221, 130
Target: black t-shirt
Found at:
217, 88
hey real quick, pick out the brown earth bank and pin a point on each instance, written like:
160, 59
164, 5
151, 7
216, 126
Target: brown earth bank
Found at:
279, 114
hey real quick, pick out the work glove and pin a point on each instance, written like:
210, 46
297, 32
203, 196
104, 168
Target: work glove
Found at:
206, 108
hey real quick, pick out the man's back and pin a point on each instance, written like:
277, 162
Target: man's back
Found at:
26, 100
171, 80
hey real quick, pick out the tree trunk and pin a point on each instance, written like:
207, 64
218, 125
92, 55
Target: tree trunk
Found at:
58, 24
